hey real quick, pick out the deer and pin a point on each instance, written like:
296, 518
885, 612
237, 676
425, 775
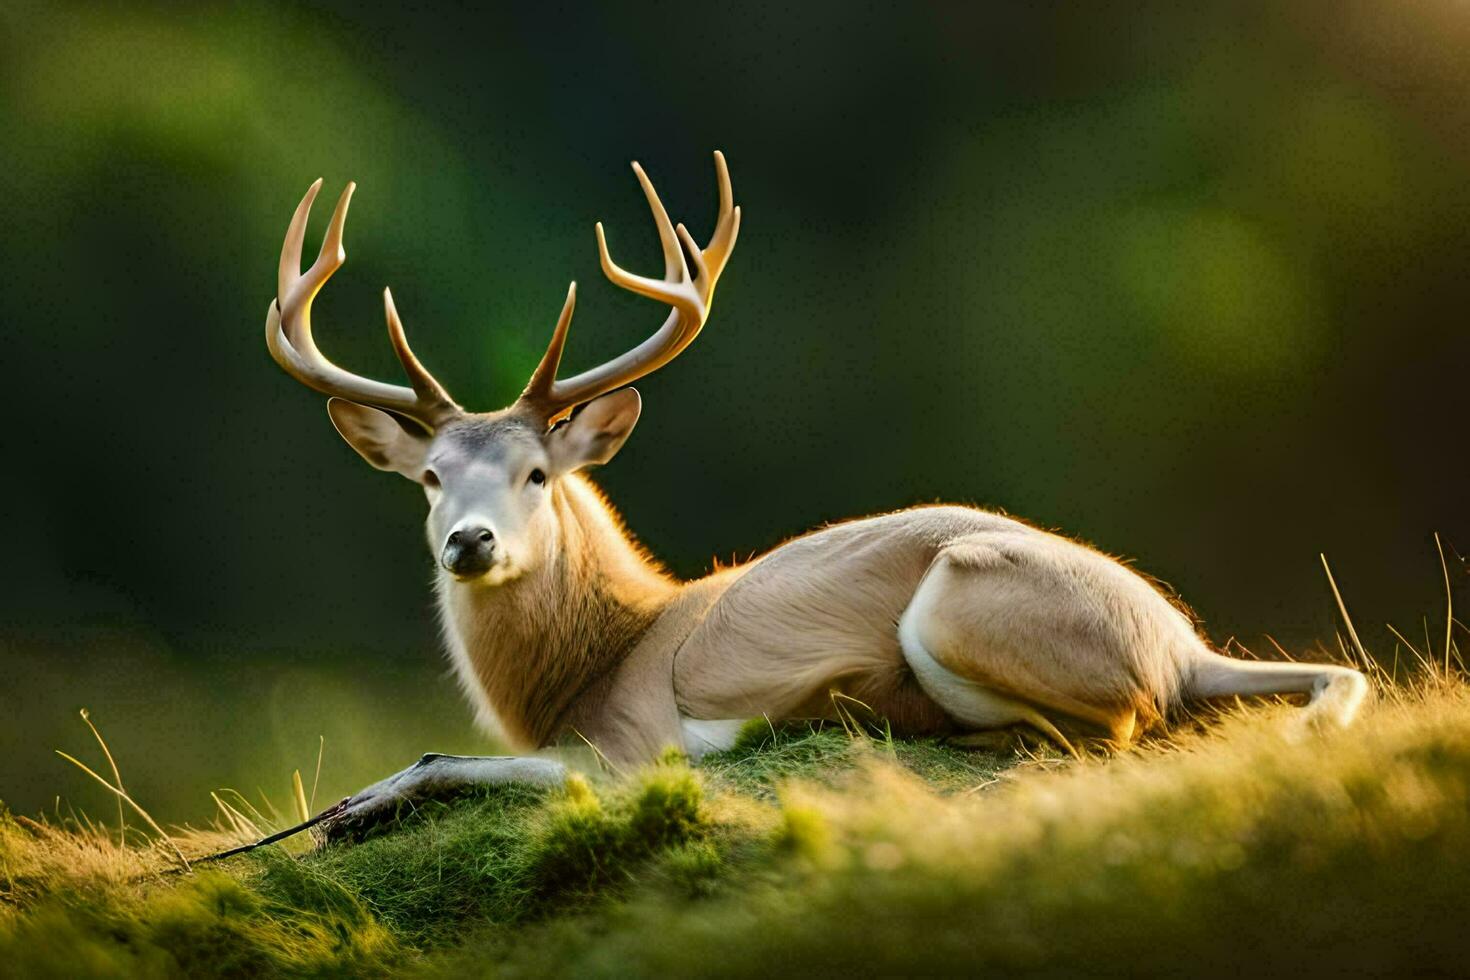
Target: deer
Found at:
941, 620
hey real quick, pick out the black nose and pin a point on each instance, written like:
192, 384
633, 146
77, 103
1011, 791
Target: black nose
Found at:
469, 551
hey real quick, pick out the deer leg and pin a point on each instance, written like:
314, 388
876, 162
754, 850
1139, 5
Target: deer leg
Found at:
1334, 693
434, 776
975, 706
996, 635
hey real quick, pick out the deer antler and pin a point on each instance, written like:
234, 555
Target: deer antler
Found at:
689, 296
288, 329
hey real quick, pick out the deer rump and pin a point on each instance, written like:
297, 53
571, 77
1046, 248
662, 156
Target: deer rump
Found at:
937, 619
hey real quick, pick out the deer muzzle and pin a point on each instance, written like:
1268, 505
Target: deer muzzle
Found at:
469, 551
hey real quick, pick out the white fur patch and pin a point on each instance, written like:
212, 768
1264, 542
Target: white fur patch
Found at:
464, 667
702, 736
969, 703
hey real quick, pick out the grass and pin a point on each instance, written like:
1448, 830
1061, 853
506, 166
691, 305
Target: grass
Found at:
1228, 847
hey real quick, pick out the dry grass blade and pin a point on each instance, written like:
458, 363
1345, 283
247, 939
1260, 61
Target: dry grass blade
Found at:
1347, 620
1278, 647
850, 723
246, 807
122, 826
1449, 603
298, 795
1421, 658
603, 762
242, 824
321, 749
162, 834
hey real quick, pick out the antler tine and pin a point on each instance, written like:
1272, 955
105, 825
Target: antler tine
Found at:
539, 388
288, 328
289, 270
672, 291
701, 268
425, 387
674, 267
727, 226
689, 296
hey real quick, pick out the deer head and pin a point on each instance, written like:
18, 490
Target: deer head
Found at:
488, 476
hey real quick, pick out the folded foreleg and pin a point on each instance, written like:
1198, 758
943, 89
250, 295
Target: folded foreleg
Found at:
434, 776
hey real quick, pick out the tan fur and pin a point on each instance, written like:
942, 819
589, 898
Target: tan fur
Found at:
599, 643
1037, 617
533, 645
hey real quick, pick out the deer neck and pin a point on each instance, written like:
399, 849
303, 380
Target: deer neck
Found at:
526, 648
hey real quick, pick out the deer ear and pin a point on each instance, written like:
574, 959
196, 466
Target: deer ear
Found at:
596, 432
380, 438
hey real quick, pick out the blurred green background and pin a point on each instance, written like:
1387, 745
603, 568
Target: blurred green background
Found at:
1187, 281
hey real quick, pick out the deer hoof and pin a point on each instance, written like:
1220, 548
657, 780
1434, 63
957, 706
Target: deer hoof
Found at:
354, 818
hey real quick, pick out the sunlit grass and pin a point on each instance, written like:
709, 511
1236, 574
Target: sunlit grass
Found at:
824, 850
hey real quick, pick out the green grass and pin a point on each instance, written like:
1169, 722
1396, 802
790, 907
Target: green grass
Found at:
1227, 848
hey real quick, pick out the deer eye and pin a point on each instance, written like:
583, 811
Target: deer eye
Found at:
537, 477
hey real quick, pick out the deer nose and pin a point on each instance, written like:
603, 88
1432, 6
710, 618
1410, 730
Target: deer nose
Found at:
468, 551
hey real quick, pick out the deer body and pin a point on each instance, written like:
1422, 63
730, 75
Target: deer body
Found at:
603, 646
939, 619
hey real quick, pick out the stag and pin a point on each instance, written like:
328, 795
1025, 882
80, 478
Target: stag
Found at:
938, 619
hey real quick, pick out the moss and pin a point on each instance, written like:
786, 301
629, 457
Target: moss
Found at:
582, 845
1345, 854
695, 869
211, 925
754, 735
765, 757
666, 809
578, 844
803, 831
446, 865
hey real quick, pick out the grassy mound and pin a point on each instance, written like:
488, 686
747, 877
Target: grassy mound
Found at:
826, 851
